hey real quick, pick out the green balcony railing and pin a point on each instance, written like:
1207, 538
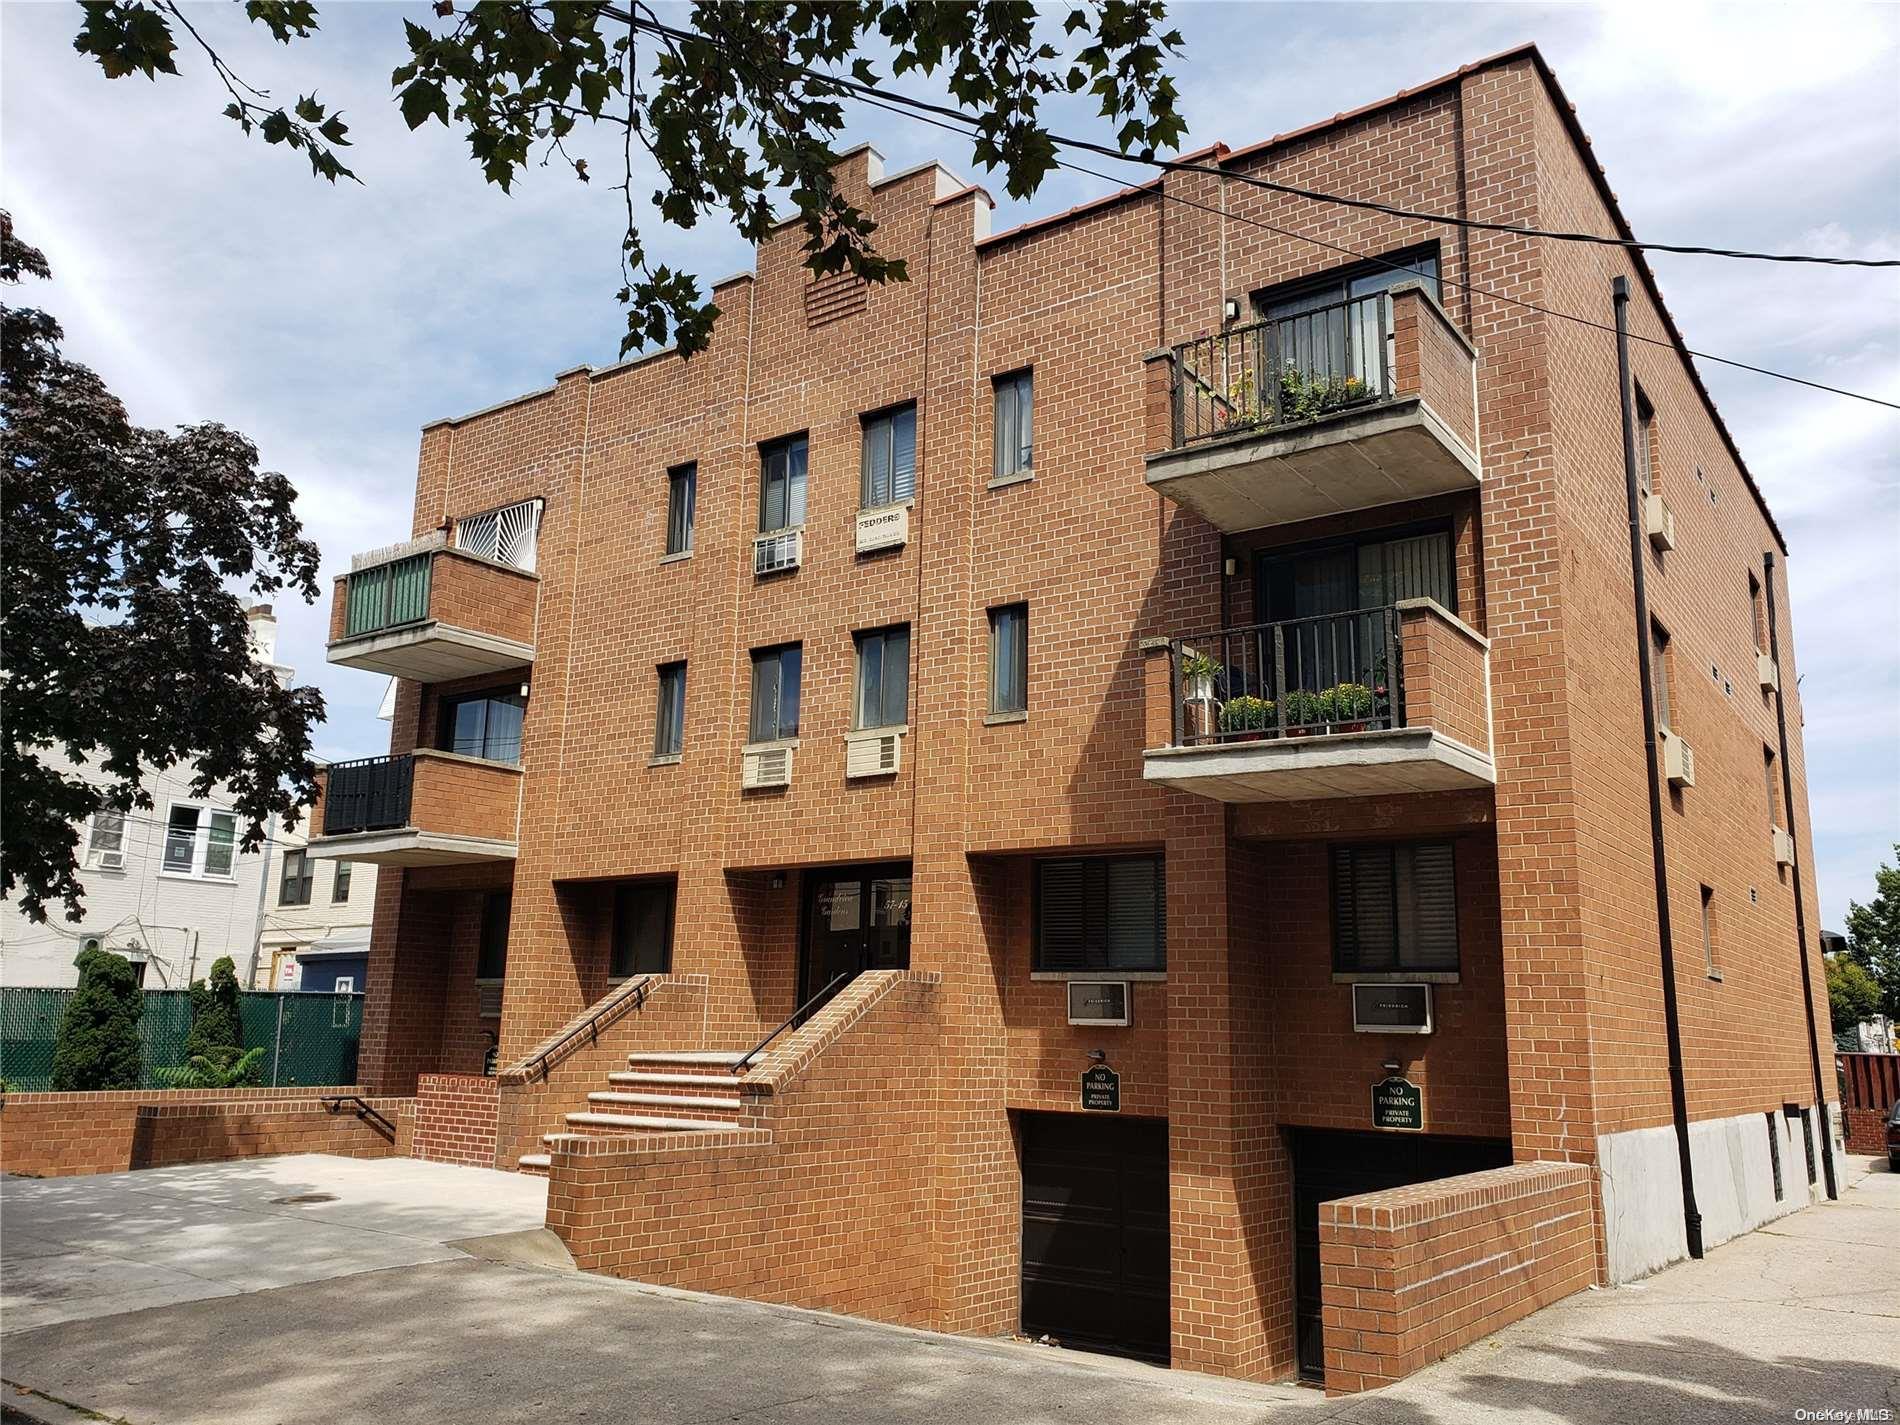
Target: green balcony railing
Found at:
388, 595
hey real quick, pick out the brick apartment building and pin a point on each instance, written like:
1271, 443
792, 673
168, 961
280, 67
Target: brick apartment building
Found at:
1141, 617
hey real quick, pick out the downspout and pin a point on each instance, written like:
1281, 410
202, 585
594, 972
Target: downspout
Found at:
1672, 1024
1794, 861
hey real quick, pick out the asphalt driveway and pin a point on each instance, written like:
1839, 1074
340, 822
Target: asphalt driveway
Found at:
199, 1295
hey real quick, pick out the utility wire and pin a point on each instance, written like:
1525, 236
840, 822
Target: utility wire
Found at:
860, 89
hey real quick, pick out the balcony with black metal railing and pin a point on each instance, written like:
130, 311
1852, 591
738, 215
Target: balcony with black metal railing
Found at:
422, 808
444, 606
1348, 406
1370, 702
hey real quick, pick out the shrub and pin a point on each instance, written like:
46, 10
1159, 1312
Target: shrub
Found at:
216, 1022
98, 1043
223, 1068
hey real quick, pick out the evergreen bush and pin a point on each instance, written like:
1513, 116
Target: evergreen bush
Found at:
98, 1043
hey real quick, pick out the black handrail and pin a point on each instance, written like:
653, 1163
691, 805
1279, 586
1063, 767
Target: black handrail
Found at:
1294, 677
334, 1103
633, 999
797, 1015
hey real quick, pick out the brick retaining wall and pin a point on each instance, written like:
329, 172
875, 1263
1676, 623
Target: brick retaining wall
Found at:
1412, 1274
456, 1116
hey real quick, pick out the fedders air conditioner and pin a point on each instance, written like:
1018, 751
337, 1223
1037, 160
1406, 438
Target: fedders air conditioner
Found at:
1678, 760
1766, 673
766, 767
1784, 848
877, 754
1659, 523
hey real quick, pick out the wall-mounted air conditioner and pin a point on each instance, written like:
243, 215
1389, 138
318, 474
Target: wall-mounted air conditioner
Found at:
873, 754
1784, 848
110, 860
1659, 523
884, 528
1392, 1009
765, 767
1101, 1004
778, 552
487, 999
1678, 759
1766, 673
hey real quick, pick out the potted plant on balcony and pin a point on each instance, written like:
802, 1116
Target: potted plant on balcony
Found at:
1198, 709
1246, 718
1302, 711
1349, 706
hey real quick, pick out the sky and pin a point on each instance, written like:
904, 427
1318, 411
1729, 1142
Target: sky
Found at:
207, 276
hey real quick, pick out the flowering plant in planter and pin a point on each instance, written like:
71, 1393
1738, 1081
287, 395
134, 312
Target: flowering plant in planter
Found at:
1349, 706
1247, 716
1301, 708
1306, 398
1197, 673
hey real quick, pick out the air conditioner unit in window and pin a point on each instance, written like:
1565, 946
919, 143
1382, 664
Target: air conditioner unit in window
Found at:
884, 528
487, 999
875, 754
1659, 523
110, 861
1392, 1009
1766, 673
779, 551
1784, 848
766, 767
1678, 760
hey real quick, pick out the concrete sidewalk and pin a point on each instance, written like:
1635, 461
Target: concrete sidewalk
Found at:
1805, 1314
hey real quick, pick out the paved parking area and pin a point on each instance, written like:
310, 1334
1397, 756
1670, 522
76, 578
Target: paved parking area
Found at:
357, 1309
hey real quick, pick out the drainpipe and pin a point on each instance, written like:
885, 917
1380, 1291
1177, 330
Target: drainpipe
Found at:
1800, 912
1672, 1025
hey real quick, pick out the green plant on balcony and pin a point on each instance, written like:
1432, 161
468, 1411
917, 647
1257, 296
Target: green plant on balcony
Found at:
1349, 706
1302, 709
1198, 671
1240, 404
1246, 717
1305, 397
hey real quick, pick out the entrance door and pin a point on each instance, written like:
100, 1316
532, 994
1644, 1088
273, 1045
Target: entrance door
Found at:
857, 918
1095, 1232
1328, 1165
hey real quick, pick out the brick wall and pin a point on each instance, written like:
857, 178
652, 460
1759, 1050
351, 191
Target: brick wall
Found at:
1412, 1274
1433, 360
1872, 1083
1447, 682
456, 1117
60, 1134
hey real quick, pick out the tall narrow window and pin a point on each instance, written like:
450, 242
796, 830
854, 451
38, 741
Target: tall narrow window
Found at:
775, 686
1708, 929
105, 843
890, 458
682, 483
1395, 908
643, 929
1771, 784
486, 725
1009, 658
1015, 423
298, 877
1757, 617
1101, 913
669, 720
491, 956
883, 678
340, 887
181, 839
782, 484
1659, 671
1645, 442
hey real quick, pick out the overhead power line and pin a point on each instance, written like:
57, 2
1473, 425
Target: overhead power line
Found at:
862, 90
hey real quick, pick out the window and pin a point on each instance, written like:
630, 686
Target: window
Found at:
1645, 442
105, 842
643, 929
345, 984
1395, 908
1757, 614
1015, 423
1659, 670
486, 725
782, 485
1101, 913
1009, 658
669, 721
1370, 573
1770, 784
890, 458
200, 841
340, 887
1708, 931
1330, 326
491, 956
775, 679
298, 876
682, 483
883, 678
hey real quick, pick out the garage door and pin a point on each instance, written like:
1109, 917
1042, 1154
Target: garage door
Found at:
1095, 1232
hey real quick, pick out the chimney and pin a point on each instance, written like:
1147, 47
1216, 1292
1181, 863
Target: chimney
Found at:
263, 633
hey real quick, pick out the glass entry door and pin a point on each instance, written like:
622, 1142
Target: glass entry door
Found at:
856, 918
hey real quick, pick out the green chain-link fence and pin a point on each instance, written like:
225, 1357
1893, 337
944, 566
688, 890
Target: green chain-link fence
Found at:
306, 1038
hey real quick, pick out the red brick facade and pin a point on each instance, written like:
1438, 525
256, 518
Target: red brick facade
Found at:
1548, 1039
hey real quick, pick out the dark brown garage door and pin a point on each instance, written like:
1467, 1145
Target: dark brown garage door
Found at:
1095, 1232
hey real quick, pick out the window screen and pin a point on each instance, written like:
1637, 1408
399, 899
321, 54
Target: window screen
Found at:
1395, 908
890, 458
1009, 658
1015, 422
1101, 913
883, 678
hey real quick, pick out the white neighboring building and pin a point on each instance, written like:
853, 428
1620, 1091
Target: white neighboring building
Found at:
316, 915
166, 885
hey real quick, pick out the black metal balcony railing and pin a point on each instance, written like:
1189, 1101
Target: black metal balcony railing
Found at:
370, 794
1282, 370
386, 595
1296, 678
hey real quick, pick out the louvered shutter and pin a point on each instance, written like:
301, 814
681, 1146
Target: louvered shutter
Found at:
1061, 929
1428, 904
1101, 913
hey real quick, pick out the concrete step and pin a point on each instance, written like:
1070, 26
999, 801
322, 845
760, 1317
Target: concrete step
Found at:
722, 1104
704, 1059
641, 1123
533, 1164
655, 1081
